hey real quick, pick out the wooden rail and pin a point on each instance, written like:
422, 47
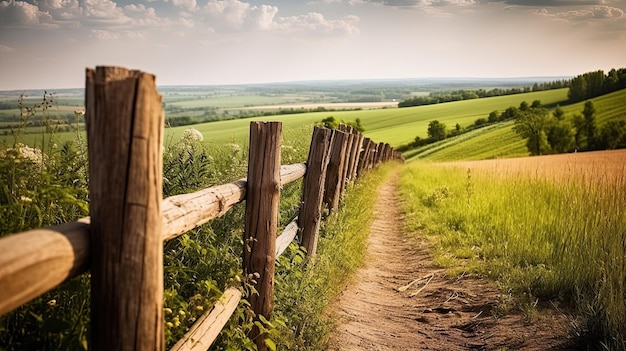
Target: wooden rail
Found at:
123, 237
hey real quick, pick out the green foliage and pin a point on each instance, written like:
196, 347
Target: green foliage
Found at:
530, 124
541, 240
332, 123
437, 130
48, 188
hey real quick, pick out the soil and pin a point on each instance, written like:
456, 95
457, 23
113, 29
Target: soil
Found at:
400, 300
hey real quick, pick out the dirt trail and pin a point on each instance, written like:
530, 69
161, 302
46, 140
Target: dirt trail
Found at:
431, 312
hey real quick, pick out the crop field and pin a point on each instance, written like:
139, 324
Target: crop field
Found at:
606, 165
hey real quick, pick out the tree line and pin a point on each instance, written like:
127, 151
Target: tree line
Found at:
461, 94
593, 84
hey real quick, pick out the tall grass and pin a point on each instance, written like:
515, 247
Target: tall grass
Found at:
540, 239
46, 188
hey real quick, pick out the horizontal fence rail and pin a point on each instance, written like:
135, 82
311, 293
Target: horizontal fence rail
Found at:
36, 261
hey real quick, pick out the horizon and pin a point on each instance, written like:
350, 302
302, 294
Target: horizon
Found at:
232, 42
424, 81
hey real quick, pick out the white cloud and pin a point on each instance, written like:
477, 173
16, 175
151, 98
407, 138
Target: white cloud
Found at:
586, 14
103, 34
317, 24
104, 12
227, 13
187, 5
19, 13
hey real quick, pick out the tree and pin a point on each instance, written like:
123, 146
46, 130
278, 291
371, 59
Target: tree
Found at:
436, 130
579, 126
535, 104
330, 122
524, 106
612, 134
493, 117
530, 124
577, 89
589, 112
558, 113
560, 137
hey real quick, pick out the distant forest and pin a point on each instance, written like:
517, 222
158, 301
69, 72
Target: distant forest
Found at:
582, 87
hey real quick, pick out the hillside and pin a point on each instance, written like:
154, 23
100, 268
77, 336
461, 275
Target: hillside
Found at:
504, 142
397, 125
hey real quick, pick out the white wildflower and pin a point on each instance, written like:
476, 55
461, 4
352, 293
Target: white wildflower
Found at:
26, 199
191, 134
234, 148
26, 152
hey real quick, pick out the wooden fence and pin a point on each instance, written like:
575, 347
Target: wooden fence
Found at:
121, 243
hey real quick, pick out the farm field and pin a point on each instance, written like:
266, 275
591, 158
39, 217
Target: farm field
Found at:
605, 165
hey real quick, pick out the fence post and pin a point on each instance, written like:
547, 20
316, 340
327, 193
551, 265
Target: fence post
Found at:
358, 142
334, 171
125, 134
313, 190
262, 202
344, 175
362, 167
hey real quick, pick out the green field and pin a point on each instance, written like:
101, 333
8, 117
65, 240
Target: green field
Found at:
397, 126
504, 142
394, 126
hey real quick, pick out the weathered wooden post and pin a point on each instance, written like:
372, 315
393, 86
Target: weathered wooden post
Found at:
262, 201
358, 141
346, 162
335, 169
363, 159
310, 214
125, 134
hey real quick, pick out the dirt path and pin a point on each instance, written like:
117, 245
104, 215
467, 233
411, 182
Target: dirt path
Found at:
401, 301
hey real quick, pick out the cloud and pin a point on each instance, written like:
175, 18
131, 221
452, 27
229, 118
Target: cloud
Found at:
585, 14
187, 5
424, 3
21, 13
552, 3
316, 23
103, 34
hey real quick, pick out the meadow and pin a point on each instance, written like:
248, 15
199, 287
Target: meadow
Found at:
551, 238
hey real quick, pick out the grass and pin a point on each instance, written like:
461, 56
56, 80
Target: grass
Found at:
551, 241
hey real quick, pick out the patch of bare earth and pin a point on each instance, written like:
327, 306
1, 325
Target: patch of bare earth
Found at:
401, 301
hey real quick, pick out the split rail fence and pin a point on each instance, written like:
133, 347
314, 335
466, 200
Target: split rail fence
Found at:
121, 243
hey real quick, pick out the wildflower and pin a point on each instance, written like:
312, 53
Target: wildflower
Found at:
191, 134
234, 148
32, 154
27, 199
52, 302
169, 324
199, 308
181, 312
167, 309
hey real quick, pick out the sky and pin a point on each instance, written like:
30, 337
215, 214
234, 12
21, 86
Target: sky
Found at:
50, 43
